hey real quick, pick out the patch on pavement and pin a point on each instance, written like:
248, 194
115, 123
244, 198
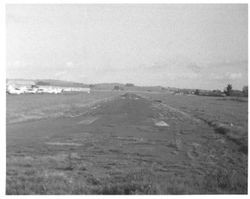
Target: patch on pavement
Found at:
63, 143
161, 123
88, 120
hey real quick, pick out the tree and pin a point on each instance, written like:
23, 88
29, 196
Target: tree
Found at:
129, 85
117, 88
245, 91
42, 83
228, 90
197, 92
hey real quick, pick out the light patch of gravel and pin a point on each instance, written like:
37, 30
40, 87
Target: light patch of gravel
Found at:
63, 143
88, 120
161, 123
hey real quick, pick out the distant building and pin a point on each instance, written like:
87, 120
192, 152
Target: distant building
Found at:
13, 90
26, 86
20, 86
75, 89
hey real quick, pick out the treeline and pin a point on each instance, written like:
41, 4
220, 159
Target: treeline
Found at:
228, 91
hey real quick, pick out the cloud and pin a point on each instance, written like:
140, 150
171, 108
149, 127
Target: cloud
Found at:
226, 76
60, 75
234, 76
17, 64
70, 64
175, 76
241, 65
194, 67
215, 76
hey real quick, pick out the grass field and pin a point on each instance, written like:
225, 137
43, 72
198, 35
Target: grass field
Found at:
22, 108
227, 115
109, 143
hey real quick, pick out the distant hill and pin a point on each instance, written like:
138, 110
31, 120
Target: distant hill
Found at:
106, 86
52, 82
99, 86
127, 87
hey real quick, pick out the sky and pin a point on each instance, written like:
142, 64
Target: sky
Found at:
176, 45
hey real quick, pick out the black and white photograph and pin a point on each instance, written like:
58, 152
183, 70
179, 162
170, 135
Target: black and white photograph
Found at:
126, 99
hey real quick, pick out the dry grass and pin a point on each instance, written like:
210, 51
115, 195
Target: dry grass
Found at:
22, 108
65, 175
